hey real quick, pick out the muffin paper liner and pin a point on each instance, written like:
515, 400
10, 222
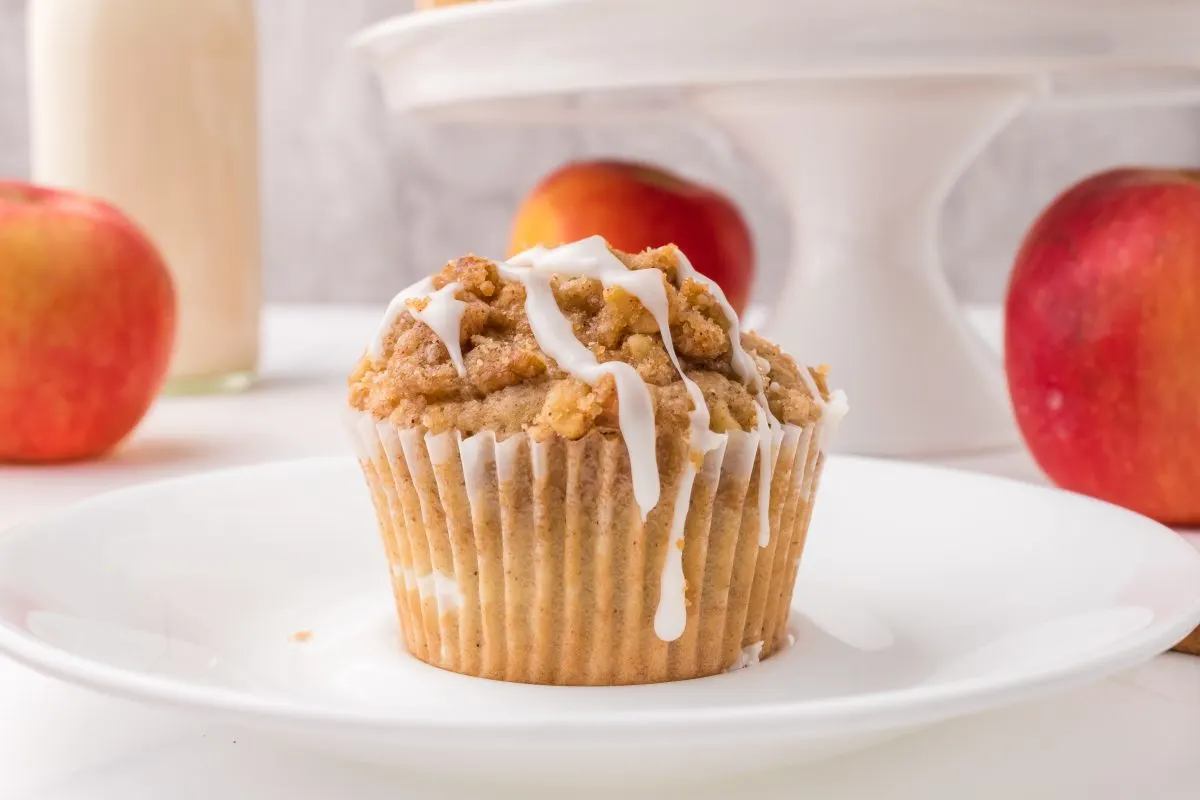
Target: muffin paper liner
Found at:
528, 561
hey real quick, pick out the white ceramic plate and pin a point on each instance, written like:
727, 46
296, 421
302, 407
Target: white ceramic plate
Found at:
925, 594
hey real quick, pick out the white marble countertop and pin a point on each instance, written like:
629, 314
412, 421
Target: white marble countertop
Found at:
1133, 736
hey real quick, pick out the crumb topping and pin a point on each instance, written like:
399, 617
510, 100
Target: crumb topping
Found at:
511, 386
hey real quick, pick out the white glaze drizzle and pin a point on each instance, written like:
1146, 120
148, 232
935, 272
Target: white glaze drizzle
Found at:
581, 259
592, 258
743, 362
635, 412
648, 287
767, 424
398, 306
443, 314
832, 414
671, 617
746, 368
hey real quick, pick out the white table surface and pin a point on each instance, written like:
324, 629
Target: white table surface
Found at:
1133, 736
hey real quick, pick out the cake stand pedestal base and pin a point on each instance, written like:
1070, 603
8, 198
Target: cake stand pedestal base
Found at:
865, 165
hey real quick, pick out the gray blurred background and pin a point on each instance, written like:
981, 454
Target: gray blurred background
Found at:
356, 204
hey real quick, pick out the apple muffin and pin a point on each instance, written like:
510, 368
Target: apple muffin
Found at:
584, 472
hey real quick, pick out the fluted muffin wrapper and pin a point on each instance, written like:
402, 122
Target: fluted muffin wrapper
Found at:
528, 561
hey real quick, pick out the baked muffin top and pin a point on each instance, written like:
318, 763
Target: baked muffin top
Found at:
497, 375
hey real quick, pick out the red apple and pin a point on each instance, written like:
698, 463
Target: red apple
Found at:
636, 207
1103, 341
87, 321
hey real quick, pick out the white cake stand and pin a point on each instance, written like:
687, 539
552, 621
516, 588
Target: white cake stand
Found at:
865, 111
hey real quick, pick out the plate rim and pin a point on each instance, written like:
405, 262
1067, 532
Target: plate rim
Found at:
874, 711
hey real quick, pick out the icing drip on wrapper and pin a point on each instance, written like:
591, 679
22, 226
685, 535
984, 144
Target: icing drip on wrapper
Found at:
556, 337
591, 258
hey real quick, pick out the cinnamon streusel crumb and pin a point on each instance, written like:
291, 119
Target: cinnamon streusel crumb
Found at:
511, 385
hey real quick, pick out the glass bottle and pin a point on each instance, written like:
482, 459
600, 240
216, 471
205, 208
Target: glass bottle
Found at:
153, 105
